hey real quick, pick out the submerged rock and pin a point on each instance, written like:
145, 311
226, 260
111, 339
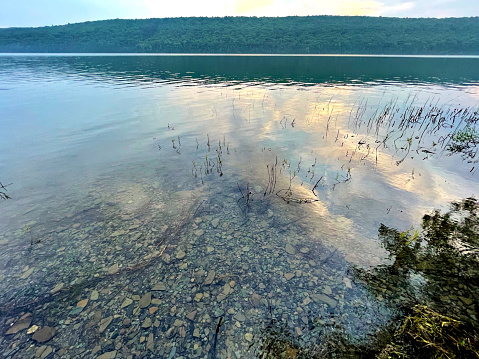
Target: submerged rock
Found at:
288, 276
57, 288
159, 287
44, 335
43, 352
107, 355
104, 323
210, 277
19, 325
145, 300
290, 249
325, 299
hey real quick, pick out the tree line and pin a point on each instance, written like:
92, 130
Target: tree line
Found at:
293, 35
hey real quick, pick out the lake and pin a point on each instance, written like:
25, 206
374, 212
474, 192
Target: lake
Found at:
176, 206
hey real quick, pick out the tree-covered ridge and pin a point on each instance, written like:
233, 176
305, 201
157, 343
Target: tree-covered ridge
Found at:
312, 34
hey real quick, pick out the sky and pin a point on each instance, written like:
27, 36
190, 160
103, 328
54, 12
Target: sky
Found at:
27, 13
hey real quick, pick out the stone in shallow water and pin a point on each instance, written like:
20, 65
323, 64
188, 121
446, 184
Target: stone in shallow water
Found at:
76, 311
210, 277
152, 310
304, 250
114, 269
104, 323
347, 283
218, 312
288, 276
126, 303
159, 286
147, 323
145, 300
43, 351
94, 295
467, 301
150, 343
82, 303
255, 299
172, 353
27, 273
32, 329
215, 222
325, 299
239, 317
178, 323
44, 335
248, 337
57, 288
191, 316
107, 355
118, 233
290, 249
20, 325
180, 255
327, 290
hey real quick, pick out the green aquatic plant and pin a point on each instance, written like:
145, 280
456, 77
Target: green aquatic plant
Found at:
465, 142
429, 334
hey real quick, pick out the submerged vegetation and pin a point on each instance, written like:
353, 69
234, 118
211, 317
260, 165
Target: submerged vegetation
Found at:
295, 34
432, 282
3, 191
465, 142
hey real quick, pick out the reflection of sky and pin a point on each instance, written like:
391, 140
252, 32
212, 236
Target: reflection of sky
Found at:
48, 12
254, 120
89, 127
409, 188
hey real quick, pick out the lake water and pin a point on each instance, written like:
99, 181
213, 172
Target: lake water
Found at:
179, 192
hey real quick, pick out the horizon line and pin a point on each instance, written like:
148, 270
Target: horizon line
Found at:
97, 54
239, 16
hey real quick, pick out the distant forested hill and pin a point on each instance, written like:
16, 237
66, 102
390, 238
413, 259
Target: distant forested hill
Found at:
295, 35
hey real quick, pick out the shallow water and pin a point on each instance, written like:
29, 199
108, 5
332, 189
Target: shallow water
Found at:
242, 188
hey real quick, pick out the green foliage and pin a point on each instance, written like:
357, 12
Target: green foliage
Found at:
432, 335
294, 34
445, 255
437, 319
465, 141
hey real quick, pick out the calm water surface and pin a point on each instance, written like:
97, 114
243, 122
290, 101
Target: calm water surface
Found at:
172, 191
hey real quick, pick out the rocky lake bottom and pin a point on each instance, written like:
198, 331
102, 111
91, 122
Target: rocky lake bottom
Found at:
176, 207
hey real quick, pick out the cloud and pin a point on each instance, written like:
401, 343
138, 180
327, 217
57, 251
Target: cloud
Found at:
249, 6
361, 8
397, 8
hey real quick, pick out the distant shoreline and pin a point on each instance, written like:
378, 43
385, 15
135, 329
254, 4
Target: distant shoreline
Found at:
295, 35
82, 54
